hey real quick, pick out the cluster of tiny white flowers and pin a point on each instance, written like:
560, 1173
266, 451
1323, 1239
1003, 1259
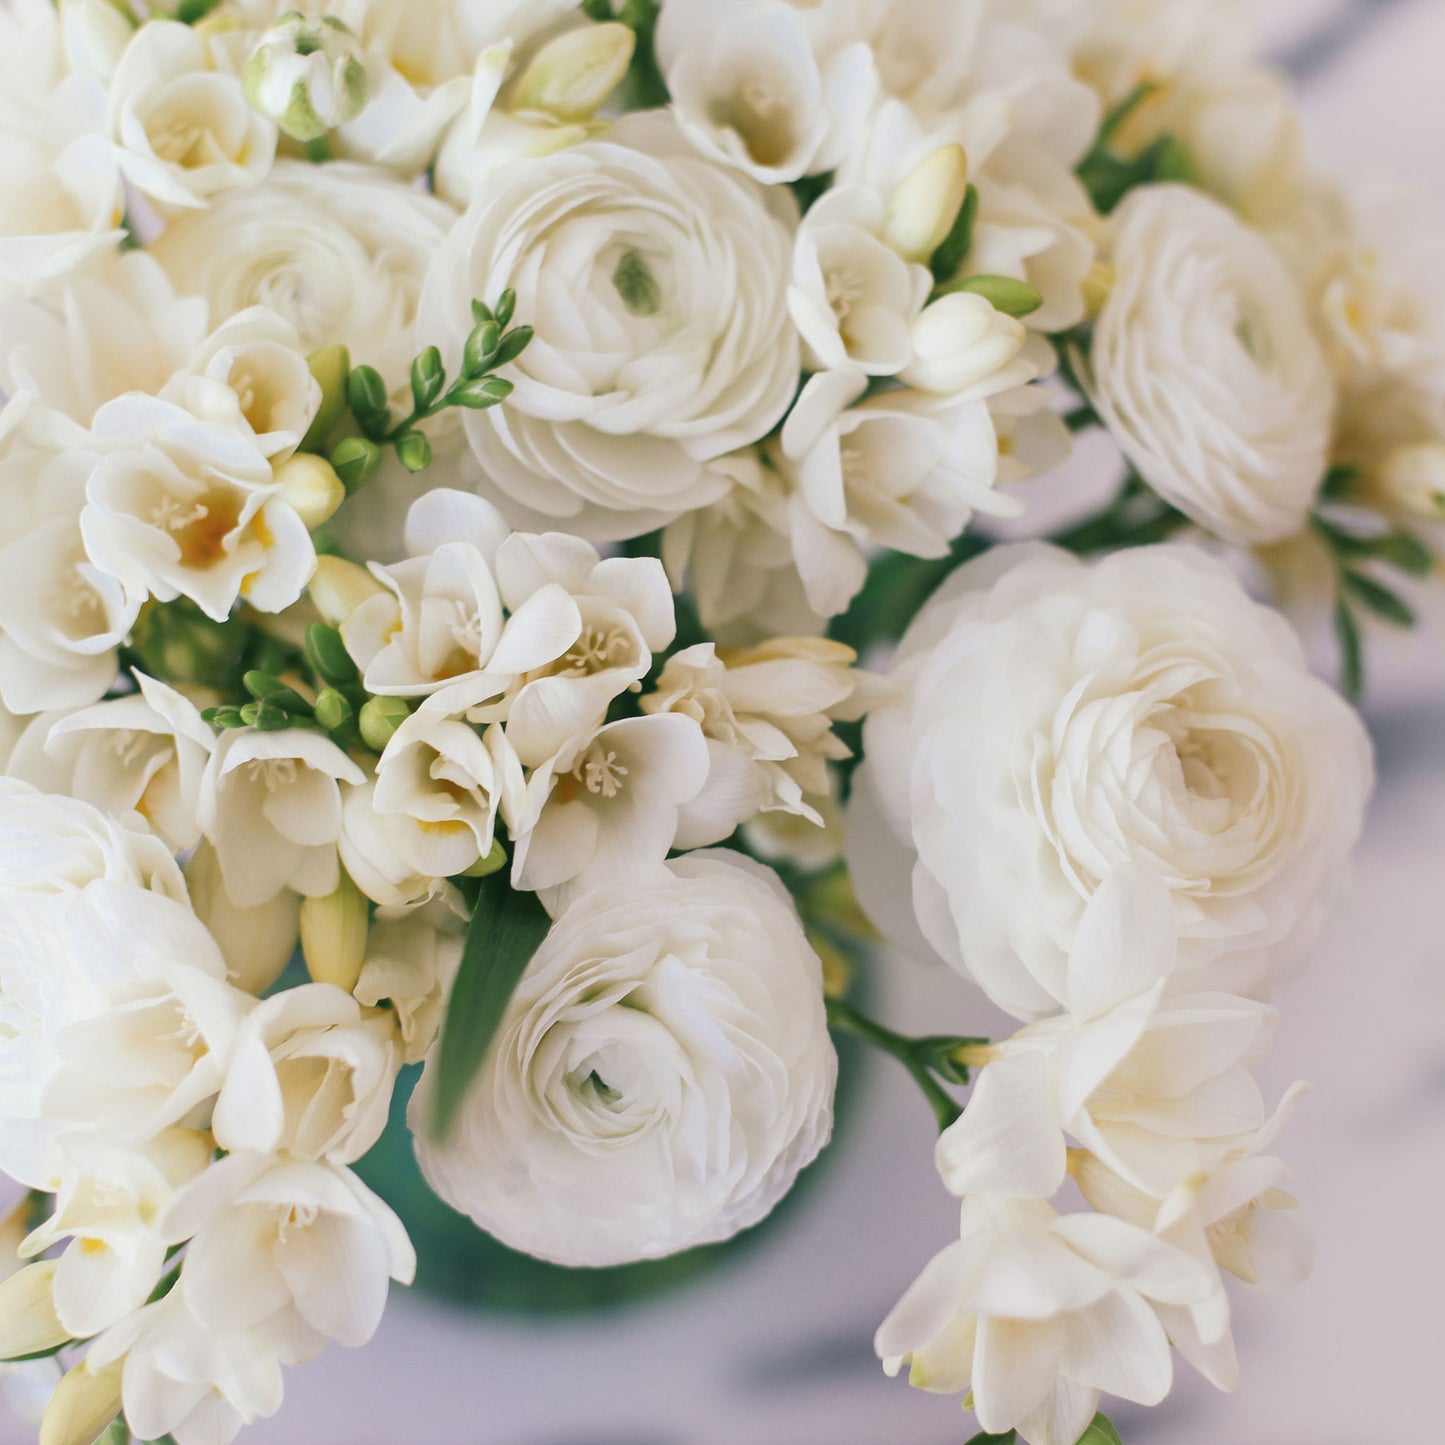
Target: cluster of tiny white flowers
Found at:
452, 456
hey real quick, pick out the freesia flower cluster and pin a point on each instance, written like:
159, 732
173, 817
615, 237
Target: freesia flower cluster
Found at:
456, 460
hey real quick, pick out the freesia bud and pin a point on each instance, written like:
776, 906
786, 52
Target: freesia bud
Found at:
333, 935
308, 75
310, 487
331, 366
84, 1403
28, 1322
960, 342
927, 203
571, 76
1412, 478
339, 587
379, 719
257, 943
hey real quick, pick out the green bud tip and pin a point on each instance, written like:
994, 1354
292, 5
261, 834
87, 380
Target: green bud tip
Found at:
379, 719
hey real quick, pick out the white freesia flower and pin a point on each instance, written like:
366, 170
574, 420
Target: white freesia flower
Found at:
180, 508
371, 846
441, 622
251, 374
900, 470
266, 1234
964, 347
107, 1203
1147, 1080
626, 614
62, 187
410, 963
654, 279
753, 88
257, 943
767, 713
1207, 371
338, 250
145, 752
853, 298
42, 42
198, 1384
608, 806
114, 326
1060, 720
439, 785
661, 1075
180, 119
1038, 1314
271, 807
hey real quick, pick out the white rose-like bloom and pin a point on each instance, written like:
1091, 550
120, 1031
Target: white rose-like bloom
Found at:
1207, 370
338, 250
1060, 720
662, 1074
656, 282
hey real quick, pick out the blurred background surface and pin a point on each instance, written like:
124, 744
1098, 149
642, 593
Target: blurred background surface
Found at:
776, 1348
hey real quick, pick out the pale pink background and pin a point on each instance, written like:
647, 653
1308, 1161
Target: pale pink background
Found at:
777, 1352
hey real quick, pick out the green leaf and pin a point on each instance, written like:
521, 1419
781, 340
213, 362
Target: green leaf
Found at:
428, 376
1114, 122
1108, 178
1101, 1432
1378, 599
986, 1439
1407, 553
505, 931
191, 12
1352, 660
959, 241
1339, 482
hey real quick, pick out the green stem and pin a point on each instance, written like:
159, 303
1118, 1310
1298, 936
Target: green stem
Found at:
846, 1019
1082, 418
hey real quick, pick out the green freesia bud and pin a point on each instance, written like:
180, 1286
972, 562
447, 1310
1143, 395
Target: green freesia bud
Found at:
1101, 1432
428, 376
308, 75
331, 366
485, 392
572, 76
366, 392
494, 862
482, 346
379, 719
355, 460
327, 653
414, 451
1004, 293
333, 711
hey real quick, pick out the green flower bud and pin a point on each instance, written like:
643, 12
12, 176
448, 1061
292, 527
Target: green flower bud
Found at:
1004, 293
333, 711
514, 343
327, 654
366, 392
355, 460
311, 487
333, 935
428, 376
482, 346
486, 391
414, 451
331, 366
308, 75
494, 862
379, 719
571, 76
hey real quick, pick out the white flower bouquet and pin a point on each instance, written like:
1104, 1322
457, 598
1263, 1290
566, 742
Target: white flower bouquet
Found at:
511, 563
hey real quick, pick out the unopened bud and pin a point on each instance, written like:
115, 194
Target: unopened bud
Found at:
339, 587
356, 460
572, 76
333, 935
333, 710
379, 719
927, 203
1004, 293
28, 1322
84, 1403
331, 366
1098, 285
495, 860
413, 451
308, 75
961, 341
310, 487
1412, 478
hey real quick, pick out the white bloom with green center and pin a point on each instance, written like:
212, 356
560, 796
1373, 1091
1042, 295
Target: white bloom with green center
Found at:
655, 282
307, 75
1207, 370
1059, 720
662, 1073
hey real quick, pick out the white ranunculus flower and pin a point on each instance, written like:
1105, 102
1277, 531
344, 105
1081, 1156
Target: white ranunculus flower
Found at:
107, 1203
180, 121
661, 1075
1205, 367
753, 86
271, 1233
1148, 1080
655, 280
607, 806
338, 250
1059, 720
271, 807
1038, 1313
180, 508
145, 752
64, 201
440, 623
853, 298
